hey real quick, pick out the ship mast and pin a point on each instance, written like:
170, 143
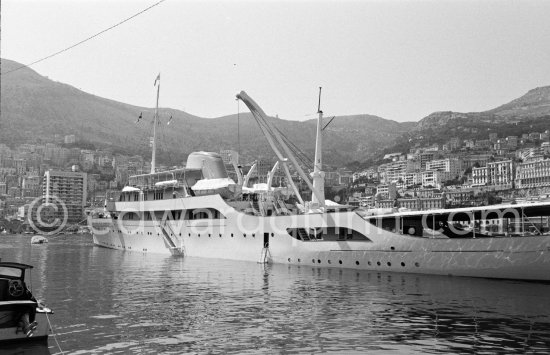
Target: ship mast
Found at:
318, 173
155, 122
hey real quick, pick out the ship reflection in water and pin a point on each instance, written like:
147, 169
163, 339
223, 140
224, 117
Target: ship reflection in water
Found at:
109, 301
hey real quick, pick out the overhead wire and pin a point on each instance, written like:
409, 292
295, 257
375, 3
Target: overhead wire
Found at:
84, 40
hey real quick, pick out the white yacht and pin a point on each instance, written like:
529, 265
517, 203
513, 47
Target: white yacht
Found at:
199, 211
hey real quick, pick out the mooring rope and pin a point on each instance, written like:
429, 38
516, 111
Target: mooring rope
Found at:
53, 333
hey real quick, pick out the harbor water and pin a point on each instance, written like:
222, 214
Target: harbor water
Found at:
114, 302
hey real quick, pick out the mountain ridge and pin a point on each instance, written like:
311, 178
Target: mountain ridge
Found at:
535, 103
34, 106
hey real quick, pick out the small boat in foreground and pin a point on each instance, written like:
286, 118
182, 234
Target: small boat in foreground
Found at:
22, 317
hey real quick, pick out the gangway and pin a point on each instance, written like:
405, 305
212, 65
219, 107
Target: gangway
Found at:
167, 234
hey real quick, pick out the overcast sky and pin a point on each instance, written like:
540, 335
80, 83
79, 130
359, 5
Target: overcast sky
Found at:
400, 60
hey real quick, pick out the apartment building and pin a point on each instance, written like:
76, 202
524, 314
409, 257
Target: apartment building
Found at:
497, 173
453, 166
533, 174
68, 187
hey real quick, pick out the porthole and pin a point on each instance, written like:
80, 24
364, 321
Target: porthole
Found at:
403, 264
392, 248
209, 235
329, 262
288, 259
231, 235
313, 261
340, 262
389, 264
299, 260
189, 234
369, 263
356, 262
244, 235
198, 235
416, 264
272, 234
378, 263
318, 261
220, 235
253, 235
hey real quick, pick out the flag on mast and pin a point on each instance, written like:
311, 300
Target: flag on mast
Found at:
157, 79
169, 120
139, 118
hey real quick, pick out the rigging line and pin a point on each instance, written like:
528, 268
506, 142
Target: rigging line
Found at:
145, 134
297, 150
144, 138
333, 117
164, 143
238, 129
85, 40
307, 161
161, 138
304, 159
262, 122
54, 333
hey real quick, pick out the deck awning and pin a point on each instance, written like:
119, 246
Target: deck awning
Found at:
213, 184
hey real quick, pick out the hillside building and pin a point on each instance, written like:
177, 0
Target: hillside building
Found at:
68, 187
70, 139
426, 157
533, 174
434, 178
498, 173
453, 166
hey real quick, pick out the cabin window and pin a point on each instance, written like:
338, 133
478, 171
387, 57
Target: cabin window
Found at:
327, 234
203, 213
130, 216
174, 214
10, 272
341, 234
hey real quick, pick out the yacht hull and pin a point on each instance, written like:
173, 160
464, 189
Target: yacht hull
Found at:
240, 236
